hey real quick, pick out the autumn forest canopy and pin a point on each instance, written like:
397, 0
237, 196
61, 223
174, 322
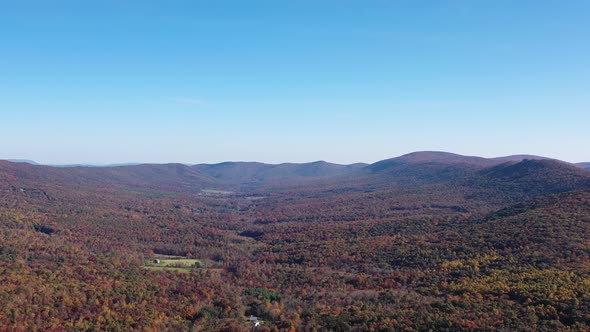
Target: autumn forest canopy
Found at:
426, 241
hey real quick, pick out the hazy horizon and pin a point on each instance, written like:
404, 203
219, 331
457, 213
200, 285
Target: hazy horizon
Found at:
112, 82
118, 163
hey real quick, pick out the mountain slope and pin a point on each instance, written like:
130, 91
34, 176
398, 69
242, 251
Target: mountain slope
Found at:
454, 179
551, 228
446, 158
537, 177
429, 157
417, 188
420, 168
408, 247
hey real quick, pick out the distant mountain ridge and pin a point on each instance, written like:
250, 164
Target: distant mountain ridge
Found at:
520, 174
147, 176
440, 157
32, 162
254, 174
237, 173
413, 157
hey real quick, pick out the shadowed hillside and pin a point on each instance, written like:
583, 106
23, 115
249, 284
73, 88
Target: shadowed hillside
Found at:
536, 177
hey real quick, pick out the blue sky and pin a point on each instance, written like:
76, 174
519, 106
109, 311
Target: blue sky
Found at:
292, 81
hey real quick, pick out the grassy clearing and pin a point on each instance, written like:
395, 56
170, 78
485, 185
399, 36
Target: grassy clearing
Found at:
181, 262
172, 263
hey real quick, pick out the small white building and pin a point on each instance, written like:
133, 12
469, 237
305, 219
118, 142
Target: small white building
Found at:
254, 321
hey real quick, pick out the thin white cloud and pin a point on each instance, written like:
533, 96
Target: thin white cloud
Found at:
184, 100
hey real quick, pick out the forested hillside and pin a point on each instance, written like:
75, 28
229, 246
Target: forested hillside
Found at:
427, 241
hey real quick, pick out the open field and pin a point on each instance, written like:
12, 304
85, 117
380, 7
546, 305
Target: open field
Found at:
172, 263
